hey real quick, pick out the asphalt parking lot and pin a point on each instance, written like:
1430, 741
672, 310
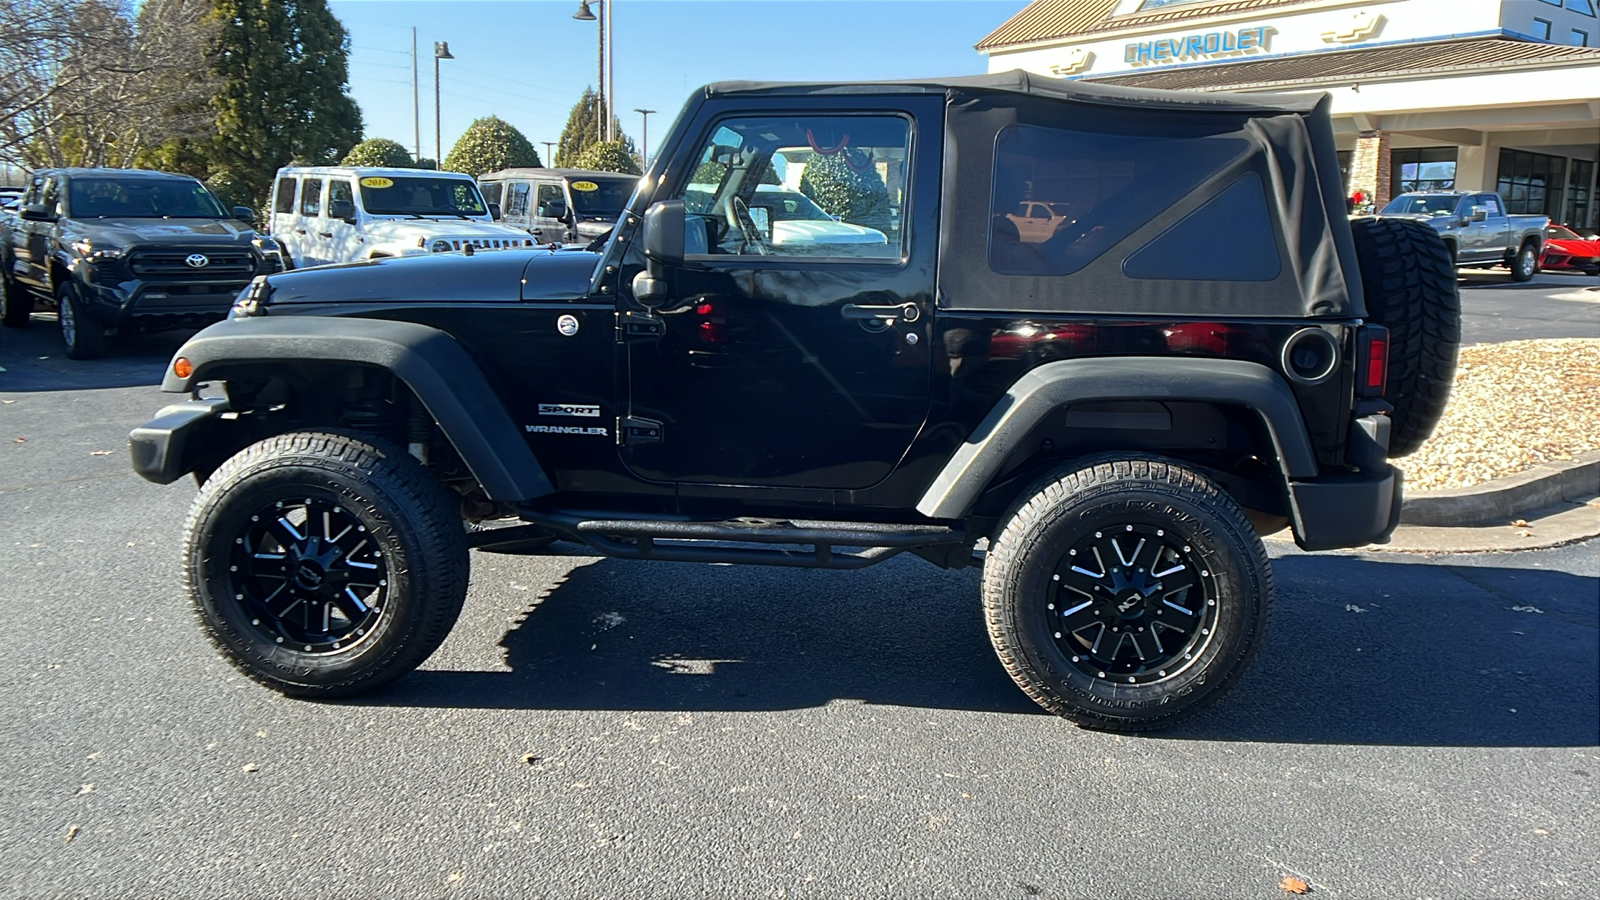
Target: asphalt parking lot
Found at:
1423, 726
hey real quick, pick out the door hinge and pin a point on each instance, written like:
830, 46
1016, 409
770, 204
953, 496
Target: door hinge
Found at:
642, 326
635, 430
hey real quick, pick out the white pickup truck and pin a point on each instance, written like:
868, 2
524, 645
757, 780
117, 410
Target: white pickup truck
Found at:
1477, 230
333, 214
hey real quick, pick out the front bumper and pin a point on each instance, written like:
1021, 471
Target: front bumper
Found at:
169, 446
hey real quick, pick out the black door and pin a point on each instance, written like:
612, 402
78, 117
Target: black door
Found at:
795, 347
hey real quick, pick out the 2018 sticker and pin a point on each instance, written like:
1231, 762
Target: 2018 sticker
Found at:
377, 181
585, 186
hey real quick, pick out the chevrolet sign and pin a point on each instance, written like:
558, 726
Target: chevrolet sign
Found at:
1199, 46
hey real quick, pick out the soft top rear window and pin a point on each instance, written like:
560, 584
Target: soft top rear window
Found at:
1062, 198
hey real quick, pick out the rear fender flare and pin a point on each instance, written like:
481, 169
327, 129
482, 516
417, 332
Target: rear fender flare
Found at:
438, 371
1057, 385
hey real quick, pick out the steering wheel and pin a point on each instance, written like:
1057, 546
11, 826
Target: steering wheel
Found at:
739, 217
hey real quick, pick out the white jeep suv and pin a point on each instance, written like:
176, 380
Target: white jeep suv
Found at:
333, 214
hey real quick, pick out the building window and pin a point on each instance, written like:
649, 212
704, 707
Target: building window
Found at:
1422, 169
1531, 182
1580, 38
1541, 29
1579, 184
1344, 169
1584, 6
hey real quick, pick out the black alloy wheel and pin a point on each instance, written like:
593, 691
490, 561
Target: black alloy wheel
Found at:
324, 564
1126, 594
309, 574
1133, 604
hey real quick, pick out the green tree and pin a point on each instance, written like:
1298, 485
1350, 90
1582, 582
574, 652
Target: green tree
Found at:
607, 156
379, 152
284, 71
488, 145
847, 185
583, 129
230, 190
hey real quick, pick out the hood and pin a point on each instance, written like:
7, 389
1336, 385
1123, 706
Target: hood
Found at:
410, 229
126, 232
815, 231
503, 276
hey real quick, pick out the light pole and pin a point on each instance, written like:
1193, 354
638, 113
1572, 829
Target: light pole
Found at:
549, 154
416, 105
644, 136
441, 50
584, 14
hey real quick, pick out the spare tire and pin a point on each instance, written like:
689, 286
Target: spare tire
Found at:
1409, 280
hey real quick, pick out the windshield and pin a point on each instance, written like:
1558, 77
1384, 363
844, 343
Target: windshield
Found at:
1562, 234
141, 198
421, 196
601, 196
789, 206
1422, 205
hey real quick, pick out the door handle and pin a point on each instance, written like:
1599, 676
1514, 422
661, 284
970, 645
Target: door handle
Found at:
862, 312
299, 231
326, 234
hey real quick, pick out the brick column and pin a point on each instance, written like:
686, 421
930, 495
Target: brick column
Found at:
1369, 167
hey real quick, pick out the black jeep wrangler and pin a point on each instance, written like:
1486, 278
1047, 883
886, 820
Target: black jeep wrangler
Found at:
1091, 339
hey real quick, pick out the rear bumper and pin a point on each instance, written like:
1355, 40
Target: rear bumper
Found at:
166, 448
1344, 510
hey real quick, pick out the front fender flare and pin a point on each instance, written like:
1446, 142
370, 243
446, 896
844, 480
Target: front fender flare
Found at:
438, 371
1058, 385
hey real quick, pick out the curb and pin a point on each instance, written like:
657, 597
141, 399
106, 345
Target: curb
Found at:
1501, 500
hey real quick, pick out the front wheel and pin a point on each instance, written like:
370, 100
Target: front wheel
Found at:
1526, 263
84, 337
1127, 595
323, 564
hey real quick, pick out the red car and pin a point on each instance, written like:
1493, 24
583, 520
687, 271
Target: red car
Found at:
1565, 250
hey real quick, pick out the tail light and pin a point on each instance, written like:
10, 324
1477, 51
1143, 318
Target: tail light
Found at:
1372, 360
1198, 337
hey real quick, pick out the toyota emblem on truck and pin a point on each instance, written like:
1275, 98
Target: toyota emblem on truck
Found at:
196, 261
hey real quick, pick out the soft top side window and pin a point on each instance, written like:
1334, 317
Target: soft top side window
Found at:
283, 196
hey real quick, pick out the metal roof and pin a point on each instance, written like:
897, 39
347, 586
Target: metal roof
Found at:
1045, 20
1318, 69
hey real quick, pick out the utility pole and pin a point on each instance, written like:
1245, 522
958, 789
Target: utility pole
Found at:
611, 72
549, 154
416, 104
441, 50
644, 136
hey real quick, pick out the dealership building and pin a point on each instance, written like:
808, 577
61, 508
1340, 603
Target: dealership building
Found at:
1475, 95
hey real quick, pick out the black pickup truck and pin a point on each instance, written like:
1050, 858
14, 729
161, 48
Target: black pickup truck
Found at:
116, 249
1090, 339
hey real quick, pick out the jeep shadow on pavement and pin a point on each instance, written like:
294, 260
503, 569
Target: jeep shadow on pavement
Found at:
1100, 412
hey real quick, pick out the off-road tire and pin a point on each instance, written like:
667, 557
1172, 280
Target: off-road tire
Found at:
16, 303
82, 335
1409, 281
376, 488
1028, 608
1525, 264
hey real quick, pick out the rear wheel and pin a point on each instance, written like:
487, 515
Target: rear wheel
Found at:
84, 337
16, 303
323, 564
1127, 595
1526, 263
1409, 279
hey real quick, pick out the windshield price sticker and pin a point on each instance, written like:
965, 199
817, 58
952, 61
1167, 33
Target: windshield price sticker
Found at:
585, 186
376, 181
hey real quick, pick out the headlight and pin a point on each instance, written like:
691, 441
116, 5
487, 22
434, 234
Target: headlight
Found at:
265, 244
92, 254
441, 246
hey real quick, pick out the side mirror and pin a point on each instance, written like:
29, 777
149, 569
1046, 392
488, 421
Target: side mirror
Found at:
1479, 214
38, 212
244, 214
341, 209
661, 234
552, 211
494, 211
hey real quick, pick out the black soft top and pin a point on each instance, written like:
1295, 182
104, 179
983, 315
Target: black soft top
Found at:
1262, 233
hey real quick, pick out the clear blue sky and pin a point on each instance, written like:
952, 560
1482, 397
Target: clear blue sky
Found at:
528, 61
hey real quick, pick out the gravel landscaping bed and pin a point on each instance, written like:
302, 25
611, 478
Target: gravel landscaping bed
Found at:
1513, 405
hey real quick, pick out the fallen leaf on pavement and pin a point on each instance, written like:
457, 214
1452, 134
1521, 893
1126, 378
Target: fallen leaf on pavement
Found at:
1294, 885
1520, 523
100, 453
72, 832
86, 789
19, 440
531, 758
251, 767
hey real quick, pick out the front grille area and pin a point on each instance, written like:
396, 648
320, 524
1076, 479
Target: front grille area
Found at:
446, 244
166, 264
